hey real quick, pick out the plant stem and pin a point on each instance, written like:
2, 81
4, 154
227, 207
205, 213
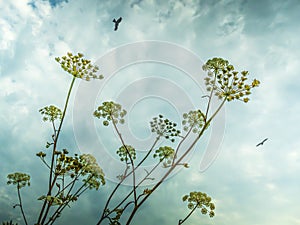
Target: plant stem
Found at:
128, 195
53, 153
210, 95
160, 182
182, 221
61, 207
21, 206
177, 162
180, 143
131, 161
119, 184
59, 130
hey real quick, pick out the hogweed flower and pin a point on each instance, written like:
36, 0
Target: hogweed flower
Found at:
110, 111
125, 151
164, 128
78, 67
200, 200
51, 113
227, 83
193, 120
165, 154
91, 167
19, 179
84, 165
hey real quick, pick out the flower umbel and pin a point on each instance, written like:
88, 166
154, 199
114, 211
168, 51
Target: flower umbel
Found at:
193, 120
95, 174
227, 83
19, 179
78, 67
200, 200
164, 128
51, 113
110, 111
125, 151
165, 154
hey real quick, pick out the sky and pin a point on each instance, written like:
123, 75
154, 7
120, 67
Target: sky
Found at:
152, 65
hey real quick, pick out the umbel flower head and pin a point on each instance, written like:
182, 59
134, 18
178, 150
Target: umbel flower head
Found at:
165, 154
51, 113
193, 120
227, 83
125, 151
84, 165
95, 173
78, 66
164, 128
110, 111
19, 179
200, 200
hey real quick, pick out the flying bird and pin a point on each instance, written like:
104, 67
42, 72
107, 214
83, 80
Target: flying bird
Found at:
205, 96
117, 22
261, 143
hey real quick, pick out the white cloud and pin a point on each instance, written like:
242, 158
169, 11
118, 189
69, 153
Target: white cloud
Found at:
250, 185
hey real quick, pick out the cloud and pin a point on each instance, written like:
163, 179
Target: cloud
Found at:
249, 185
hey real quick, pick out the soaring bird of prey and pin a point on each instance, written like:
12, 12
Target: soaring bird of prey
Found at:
261, 143
117, 22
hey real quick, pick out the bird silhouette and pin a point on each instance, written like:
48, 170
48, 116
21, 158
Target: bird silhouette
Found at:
205, 96
261, 143
117, 22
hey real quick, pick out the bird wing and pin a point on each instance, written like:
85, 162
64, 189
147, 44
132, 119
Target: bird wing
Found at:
119, 20
258, 144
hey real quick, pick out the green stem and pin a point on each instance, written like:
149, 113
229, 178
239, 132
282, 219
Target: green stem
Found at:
103, 216
62, 207
128, 195
210, 95
131, 161
53, 151
59, 130
180, 143
177, 162
21, 206
182, 221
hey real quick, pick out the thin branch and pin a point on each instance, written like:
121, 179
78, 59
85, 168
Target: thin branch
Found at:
130, 158
210, 95
62, 207
21, 206
180, 143
53, 152
182, 221
177, 162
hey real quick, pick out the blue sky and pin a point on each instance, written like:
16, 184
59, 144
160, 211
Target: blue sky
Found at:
249, 185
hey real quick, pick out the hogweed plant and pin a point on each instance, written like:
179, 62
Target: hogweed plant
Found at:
71, 176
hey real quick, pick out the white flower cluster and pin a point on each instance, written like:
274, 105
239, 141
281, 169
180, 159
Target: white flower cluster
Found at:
91, 165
